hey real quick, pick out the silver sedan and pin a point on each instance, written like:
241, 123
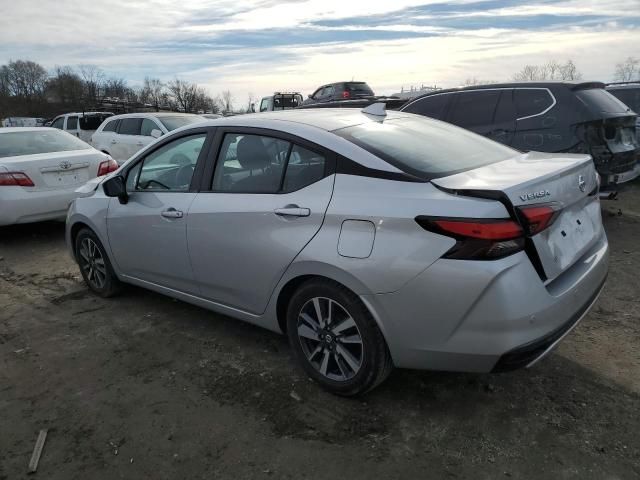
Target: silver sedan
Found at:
372, 239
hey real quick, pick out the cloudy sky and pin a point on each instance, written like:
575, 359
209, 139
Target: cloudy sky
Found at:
264, 45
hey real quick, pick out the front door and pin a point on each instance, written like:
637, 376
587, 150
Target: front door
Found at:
147, 235
267, 200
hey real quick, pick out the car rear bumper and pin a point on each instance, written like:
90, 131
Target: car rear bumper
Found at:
624, 177
21, 206
479, 316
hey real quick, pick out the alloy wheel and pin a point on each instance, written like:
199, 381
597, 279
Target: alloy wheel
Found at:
92, 263
330, 339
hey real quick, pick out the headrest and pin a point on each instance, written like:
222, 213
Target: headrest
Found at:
251, 153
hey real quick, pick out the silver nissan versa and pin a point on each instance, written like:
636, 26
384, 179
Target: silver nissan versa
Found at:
372, 239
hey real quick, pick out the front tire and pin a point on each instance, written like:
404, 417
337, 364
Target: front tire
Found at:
94, 264
335, 338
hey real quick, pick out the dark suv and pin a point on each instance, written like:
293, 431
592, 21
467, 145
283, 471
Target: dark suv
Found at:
339, 91
547, 117
629, 94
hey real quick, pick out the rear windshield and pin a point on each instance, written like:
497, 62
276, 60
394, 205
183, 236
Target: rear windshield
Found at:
426, 148
599, 100
92, 122
629, 96
358, 88
171, 123
280, 102
15, 144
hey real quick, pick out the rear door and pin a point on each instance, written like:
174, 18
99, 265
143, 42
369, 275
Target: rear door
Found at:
266, 199
478, 111
72, 125
147, 235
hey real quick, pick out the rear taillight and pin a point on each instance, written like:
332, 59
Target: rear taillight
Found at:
346, 94
19, 179
107, 166
537, 218
477, 239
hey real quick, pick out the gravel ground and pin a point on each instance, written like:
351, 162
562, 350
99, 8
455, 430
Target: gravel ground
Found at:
142, 386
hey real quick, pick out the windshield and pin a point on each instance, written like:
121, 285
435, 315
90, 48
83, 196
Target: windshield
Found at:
171, 123
15, 144
426, 148
629, 96
599, 100
92, 122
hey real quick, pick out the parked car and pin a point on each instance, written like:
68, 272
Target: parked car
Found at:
339, 91
123, 135
81, 125
281, 101
40, 169
371, 238
629, 94
551, 117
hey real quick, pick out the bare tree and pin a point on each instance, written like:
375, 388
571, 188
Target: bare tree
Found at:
153, 92
93, 79
26, 79
115, 88
184, 94
65, 86
552, 70
4, 81
227, 101
471, 81
628, 71
251, 102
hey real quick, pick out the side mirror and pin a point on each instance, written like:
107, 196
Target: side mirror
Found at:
115, 187
155, 133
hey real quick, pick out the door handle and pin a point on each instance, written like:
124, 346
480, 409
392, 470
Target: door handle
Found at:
292, 211
171, 213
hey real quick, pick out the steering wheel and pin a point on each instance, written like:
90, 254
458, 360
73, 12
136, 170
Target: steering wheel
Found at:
184, 174
160, 184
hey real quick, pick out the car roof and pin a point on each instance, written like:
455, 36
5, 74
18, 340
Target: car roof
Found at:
623, 86
572, 85
153, 114
85, 113
328, 119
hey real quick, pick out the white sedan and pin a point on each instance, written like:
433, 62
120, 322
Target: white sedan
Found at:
40, 169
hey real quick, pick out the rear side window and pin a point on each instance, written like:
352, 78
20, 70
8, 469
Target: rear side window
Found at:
432, 106
425, 148
303, 168
72, 123
471, 109
531, 101
599, 100
171, 123
629, 96
130, 126
358, 88
111, 126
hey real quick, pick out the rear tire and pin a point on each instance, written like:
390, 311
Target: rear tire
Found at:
335, 338
94, 264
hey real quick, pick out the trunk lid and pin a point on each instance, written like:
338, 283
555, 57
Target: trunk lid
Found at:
567, 181
57, 170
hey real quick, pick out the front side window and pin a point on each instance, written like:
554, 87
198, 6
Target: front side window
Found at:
147, 127
424, 148
170, 168
72, 123
58, 123
264, 104
531, 101
111, 126
472, 109
432, 106
171, 123
130, 126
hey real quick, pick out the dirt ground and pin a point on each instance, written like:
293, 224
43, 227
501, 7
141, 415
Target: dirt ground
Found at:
143, 386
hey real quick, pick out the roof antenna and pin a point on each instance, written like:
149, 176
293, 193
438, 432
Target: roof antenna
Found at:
376, 109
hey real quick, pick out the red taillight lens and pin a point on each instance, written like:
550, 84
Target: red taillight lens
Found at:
477, 239
346, 94
18, 179
538, 217
107, 166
